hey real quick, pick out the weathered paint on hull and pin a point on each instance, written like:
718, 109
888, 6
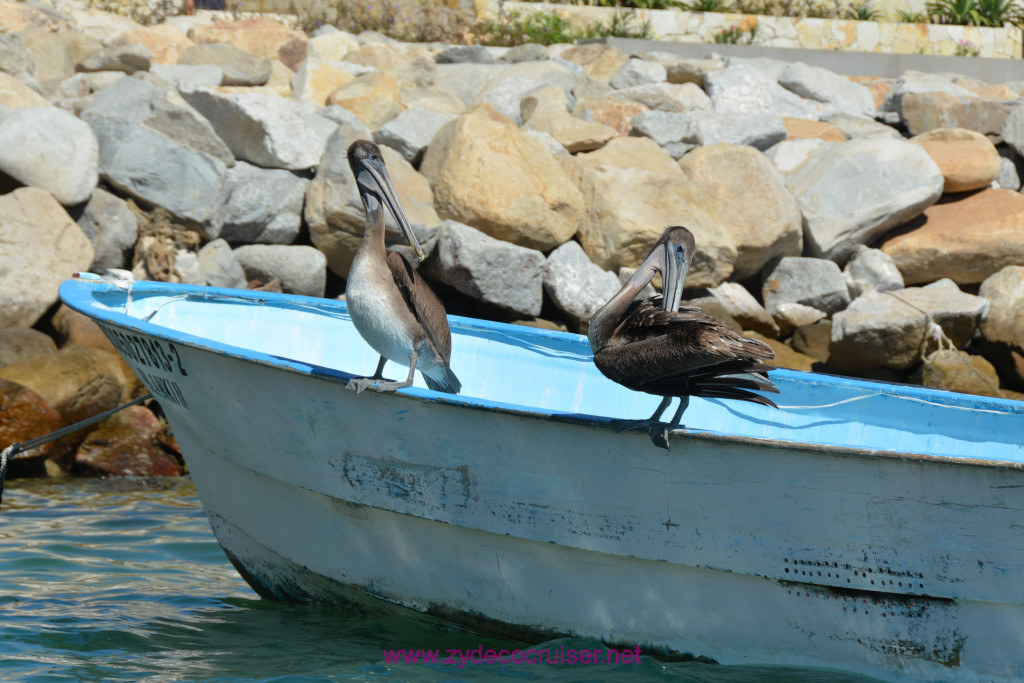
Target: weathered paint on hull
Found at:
738, 549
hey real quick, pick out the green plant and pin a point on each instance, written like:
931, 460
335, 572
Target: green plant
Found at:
998, 12
737, 35
706, 6
909, 16
965, 48
621, 26
960, 12
862, 11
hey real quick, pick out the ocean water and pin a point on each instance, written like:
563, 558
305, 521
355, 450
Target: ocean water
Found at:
106, 580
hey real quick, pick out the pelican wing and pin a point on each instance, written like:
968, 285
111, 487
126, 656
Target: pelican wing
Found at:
423, 304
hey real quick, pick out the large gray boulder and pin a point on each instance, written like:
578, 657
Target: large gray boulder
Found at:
265, 130
682, 98
136, 101
741, 305
576, 284
239, 67
812, 282
871, 269
219, 265
507, 95
496, 272
747, 89
50, 148
410, 132
126, 57
112, 228
1002, 331
759, 129
638, 72
262, 206
828, 87
958, 314
301, 269
858, 189
877, 331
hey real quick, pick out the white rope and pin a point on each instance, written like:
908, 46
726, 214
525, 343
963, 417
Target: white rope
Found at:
902, 398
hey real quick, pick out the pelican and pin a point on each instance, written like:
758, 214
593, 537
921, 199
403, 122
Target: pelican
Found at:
392, 307
648, 345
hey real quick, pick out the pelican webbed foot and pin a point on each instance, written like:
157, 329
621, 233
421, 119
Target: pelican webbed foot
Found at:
358, 384
658, 430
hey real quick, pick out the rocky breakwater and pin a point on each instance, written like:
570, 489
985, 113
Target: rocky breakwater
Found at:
863, 226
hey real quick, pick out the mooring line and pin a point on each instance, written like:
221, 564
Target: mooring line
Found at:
16, 448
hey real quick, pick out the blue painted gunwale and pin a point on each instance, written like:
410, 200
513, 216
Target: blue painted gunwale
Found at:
84, 296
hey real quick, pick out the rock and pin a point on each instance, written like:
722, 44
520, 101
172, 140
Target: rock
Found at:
374, 98
51, 149
953, 370
489, 175
335, 213
117, 109
126, 444
1009, 175
490, 270
747, 89
301, 269
14, 93
50, 54
332, 46
42, 247
78, 381
262, 36
464, 54
164, 42
638, 72
189, 75
577, 286
785, 356
761, 130
813, 340
616, 114
748, 198
685, 70
103, 26
15, 59
410, 132
598, 60
858, 127
876, 331
812, 282
925, 111
744, 308
220, 266
791, 156
525, 52
73, 327
792, 316
666, 97
24, 416
546, 110
633, 190
261, 129
155, 169
112, 229
912, 82
434, 100
799, 129
870, 269
822, 85
22, 16
263, 206
239, 67
1002, 331
507, 95
413, 67
18, 344
968, 160
128, 57
858, 189
957, 313
1012, 130
316, 79
966, 240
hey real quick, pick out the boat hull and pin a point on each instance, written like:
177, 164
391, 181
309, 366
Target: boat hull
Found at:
742, 550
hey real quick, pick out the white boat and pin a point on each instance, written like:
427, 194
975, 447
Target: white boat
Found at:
870, 527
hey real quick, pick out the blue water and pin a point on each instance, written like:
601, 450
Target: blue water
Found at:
123, 580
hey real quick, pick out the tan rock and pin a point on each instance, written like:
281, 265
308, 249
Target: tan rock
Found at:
488, 110
634, 189
333, 46
280, 80
879, 88
965, 240
491, 176
82, 45
813, 340
374, 98
76, 328
262, 36
106, 27
165, 43
598, 60
24, 415
22, 343
42, 247
994, 91
785, 355
744, 308
955, 370
21, 16
749, 199
14, 93
316, 80
799, 129
925, 111
432, 99
546, 110
1002, 331
413, 67
335, 214
968, 160
50, 53
127, 444
616, 114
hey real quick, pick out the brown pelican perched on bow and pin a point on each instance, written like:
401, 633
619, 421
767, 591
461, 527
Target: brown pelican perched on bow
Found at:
392, 307
648, 345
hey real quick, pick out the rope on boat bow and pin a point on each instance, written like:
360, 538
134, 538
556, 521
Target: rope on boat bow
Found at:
16, 448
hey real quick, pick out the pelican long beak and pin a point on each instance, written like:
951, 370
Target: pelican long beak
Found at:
674, 265
379, 173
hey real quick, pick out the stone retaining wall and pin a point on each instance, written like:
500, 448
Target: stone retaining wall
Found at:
800, 32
